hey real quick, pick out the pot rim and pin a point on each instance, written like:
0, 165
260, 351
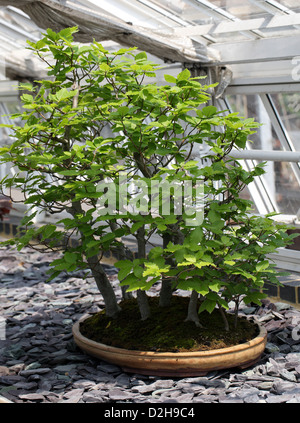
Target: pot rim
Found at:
260, 338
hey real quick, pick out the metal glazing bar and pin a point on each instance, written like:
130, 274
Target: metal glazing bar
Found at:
259, 191
172, 17
281, 132
258, 188
272, 155
163, 12
18, 30
241, 26
273, 7
279, 6
217, 11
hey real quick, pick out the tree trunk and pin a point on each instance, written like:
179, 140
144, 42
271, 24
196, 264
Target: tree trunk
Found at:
193, 315
106, 290
111, 306
166, 285
236, 313
143, 303
123, 253
165, 293
226, 325
142, 297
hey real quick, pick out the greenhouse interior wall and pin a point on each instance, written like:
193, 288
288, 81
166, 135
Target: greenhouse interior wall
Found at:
254, 45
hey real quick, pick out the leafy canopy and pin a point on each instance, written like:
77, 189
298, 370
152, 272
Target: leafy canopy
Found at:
98, 115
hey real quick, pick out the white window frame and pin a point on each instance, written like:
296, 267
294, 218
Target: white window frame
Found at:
284, 258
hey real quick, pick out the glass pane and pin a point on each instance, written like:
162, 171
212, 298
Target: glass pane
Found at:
242, 9
184, 10
279, 179
229, 36
251, 106
291, 4
283, 186
288, 107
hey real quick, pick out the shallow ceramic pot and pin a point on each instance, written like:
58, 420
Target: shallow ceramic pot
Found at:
181, 364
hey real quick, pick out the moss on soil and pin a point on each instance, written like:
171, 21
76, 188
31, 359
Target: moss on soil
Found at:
166, 330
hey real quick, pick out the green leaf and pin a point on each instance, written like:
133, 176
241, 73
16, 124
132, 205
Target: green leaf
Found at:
226, 240
138, 271
119, 52
170, 78
136, 226
209, 111
67, 33
155, 252
141, 56
201, 264
28, 219
92, 244
155, 268
263, 265
61, 94
48, 230
134, 283
208, 305
184, 75
195, 284
26, 86
229, 262
68, 172
254, 297
70, 257
125, 267
161, 227
123, 111
52, 35
213, 216
190, 258
189, 284
108, 237
105, 67
27, 98
241, 140
215, 286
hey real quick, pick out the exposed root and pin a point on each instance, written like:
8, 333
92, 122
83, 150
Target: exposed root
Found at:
195, 320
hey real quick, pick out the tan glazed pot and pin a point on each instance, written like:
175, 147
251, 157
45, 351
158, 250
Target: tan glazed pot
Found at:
182, 364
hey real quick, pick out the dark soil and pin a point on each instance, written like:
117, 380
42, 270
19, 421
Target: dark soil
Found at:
166, 330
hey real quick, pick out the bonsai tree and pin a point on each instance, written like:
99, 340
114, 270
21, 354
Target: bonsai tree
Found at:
103, 143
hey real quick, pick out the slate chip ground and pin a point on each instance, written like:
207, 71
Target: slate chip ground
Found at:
40, 363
